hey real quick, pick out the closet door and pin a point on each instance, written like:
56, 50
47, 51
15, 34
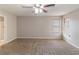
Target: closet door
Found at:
1, 28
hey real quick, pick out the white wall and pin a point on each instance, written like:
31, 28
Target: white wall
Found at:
10, 26
71, 35
39, 27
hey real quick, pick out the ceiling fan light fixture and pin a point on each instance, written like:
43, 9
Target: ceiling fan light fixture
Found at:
37, 10
37, 5
40, 10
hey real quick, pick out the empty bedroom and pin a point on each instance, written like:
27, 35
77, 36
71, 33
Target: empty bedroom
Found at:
39, 29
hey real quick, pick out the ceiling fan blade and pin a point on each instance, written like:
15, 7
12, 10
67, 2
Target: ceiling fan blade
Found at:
27, 7
44, 10
49, 5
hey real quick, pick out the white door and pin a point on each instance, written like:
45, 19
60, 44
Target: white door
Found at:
1, 28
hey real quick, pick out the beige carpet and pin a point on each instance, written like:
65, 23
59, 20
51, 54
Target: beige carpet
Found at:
38, 47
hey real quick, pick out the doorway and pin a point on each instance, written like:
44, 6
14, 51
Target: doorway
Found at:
1, 28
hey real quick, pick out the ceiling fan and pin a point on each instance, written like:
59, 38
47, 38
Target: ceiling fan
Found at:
38, 8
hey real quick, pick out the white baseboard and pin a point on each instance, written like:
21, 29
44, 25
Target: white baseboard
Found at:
39, 38
71, 42
3, 42
10, 40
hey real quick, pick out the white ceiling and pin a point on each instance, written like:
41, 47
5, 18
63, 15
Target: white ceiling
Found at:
58, 10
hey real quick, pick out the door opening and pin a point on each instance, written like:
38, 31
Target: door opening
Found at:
1, 28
